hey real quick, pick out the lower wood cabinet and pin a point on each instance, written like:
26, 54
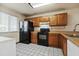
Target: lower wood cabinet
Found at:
53, 40
62, 43
65, 47
34, 37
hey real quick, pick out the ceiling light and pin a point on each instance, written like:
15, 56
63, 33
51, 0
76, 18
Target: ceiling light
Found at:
36, 5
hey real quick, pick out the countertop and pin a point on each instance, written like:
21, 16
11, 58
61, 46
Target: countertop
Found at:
73, 40
3, 39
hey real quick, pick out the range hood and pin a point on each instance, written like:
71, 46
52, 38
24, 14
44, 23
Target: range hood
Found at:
44, 24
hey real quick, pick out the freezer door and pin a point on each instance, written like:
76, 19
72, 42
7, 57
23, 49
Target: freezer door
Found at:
25, 26
21, 24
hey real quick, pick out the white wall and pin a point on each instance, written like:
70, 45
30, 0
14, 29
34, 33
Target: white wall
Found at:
73, 18
12, 12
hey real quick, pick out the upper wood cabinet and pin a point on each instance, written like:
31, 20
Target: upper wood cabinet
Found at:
53, 20
36, 22
44, 19
62, 19
58, 20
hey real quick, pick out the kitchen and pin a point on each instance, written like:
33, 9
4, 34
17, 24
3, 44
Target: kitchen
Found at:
59, 27
56, 39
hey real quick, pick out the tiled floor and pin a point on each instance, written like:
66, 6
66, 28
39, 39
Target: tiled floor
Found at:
36, 50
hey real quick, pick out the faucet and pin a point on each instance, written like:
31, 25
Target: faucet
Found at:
75, 27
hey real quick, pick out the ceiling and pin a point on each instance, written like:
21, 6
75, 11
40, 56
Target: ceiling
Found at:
27, 10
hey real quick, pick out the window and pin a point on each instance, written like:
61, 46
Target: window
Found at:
3, 22
13, 23
8, 23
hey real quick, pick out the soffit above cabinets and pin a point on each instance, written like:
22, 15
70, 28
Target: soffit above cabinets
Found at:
27, 10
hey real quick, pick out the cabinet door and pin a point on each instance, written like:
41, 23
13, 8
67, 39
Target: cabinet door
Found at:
34, 38
53, 20
36, 22
53, 40
62, 43
62, 19
65, 47
44, 19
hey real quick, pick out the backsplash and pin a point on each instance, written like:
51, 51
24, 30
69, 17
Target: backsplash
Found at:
51, 28
46, 25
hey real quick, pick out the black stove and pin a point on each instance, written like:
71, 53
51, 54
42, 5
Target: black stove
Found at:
43, 37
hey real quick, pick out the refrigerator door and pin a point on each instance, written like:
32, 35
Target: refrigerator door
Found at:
21, 26
21, 30
25, 26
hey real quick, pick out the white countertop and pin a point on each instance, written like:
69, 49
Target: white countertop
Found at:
2, 39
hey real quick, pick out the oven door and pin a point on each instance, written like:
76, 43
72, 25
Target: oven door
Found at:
42, 38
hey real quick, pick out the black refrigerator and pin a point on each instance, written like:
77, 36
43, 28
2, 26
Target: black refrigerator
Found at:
25, 31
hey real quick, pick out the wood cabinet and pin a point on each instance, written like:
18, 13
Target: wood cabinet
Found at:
34, 37
58, 20
62, 43
44, 19
62, 19
53, 40
36, 22
65, 47
53, 20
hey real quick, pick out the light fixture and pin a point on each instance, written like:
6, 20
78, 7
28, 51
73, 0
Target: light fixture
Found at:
36, 5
